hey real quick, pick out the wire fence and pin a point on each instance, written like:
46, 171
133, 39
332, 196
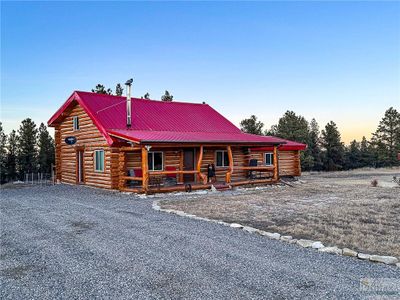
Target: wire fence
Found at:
39, 178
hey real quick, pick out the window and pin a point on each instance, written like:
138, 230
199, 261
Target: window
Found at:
222, 158
269, 159
155, 160
75, 122
99, 160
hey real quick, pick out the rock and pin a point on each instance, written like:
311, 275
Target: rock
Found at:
250, 229
286, 238
317, 245
398, 265
305, 243
180, 213
349, 252
292, 241
389, 260
331, 250
236, 225
274, 236
363, 256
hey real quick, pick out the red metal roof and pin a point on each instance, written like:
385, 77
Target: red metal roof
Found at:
288, 146
158, 121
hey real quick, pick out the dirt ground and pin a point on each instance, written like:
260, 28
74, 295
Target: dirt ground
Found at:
338, 208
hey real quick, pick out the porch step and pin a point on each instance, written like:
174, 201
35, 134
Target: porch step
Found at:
222, 187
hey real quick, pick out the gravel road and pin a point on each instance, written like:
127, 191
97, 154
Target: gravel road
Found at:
71, 242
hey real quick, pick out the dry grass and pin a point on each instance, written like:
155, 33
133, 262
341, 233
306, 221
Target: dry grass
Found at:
340, 208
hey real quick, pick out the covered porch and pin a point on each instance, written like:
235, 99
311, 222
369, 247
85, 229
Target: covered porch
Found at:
156, 168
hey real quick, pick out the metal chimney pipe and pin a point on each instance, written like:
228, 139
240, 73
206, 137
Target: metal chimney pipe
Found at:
128, 85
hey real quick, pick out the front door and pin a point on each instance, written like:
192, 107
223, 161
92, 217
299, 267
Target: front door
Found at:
80, 169
188, 164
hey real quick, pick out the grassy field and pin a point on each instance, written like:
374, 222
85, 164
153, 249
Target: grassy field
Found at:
339, 208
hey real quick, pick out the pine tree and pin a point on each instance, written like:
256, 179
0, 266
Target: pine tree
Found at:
12, 155
46, 150
352, 157
314, 146
272, 131
367, 155
334, 149
293, 127
3, 153
119, 90
27, 152
252, 125
167, 97
296, 128
386, 138
100, 89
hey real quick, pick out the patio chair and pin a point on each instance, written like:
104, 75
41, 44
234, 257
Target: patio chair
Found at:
170, 179
252, 163
134, 173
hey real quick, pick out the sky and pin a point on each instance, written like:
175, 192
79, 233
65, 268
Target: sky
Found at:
336, 61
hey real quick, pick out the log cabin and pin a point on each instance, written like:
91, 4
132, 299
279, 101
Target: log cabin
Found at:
147, 146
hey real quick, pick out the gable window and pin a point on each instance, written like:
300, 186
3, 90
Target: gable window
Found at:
99, 160
155, 161
222, 159
75, 121
269, 158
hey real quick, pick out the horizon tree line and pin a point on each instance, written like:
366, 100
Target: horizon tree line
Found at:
101, 89
325, 150
28, 150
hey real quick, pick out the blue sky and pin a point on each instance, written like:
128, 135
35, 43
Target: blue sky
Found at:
335, 61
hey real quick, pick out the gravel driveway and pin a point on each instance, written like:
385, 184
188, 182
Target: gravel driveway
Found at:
70, 242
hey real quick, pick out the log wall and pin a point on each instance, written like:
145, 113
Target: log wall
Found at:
289, 161
89, 139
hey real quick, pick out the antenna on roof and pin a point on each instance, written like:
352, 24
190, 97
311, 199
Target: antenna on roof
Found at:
128, 84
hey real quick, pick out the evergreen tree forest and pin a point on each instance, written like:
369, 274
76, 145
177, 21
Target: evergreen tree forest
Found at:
28, 150
325, 149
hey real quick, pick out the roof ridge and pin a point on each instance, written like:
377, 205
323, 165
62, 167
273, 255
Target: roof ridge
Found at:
150, 130
141, 99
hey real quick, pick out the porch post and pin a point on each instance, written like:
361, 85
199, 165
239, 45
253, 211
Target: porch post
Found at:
276, 167
121, 169
198, 167
145, 169
230, 171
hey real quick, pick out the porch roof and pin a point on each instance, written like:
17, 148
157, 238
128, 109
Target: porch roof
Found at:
147, 136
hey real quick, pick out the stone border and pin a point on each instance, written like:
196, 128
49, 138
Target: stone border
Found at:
317, 245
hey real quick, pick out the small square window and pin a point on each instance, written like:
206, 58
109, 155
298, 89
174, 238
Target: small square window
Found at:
75, 121
99, 160
269, 159
222, 159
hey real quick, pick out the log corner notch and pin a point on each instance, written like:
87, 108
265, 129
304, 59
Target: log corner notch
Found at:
201, 177
276, 166
228, 176
122, 170
145, 169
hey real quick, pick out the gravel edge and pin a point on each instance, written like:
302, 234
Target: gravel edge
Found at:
315, 245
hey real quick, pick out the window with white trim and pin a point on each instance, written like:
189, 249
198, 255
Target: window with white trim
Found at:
269, 158
155, 161
75, 122
99, 160
222, 159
